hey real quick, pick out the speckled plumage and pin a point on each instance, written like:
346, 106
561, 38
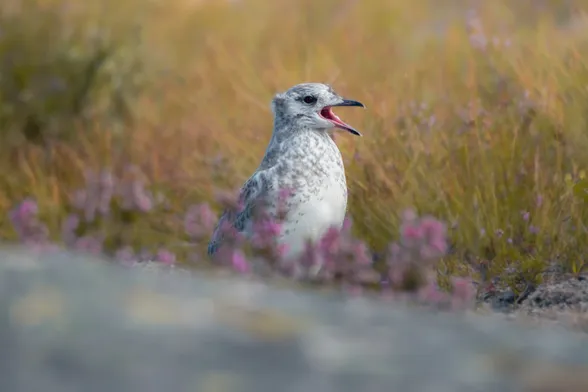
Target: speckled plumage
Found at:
302, 157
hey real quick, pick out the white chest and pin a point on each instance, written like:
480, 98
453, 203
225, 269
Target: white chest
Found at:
313, 216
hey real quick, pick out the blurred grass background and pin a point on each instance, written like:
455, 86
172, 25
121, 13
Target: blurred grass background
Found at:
477, 110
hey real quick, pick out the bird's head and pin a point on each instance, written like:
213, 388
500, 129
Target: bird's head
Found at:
310, 105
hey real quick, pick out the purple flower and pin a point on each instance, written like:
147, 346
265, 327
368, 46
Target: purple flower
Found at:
330, 243
431, 293
27, 210
239, 262
107, 184
464, 291
25, 222
142, 199
68, 229
525, 215
347, 223
435, 232
309, 263
166, 257
96, 196
199, 221
413, 232
360, 253
265, 232
133, 193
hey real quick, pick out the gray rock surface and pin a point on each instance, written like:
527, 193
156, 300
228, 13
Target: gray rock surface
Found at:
570, 293
72, 323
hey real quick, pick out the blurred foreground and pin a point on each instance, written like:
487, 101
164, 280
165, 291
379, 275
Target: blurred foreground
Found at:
72, 322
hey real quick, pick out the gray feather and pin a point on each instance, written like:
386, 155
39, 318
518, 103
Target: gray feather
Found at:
250, 196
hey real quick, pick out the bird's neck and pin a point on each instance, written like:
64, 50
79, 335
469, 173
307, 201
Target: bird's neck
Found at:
284, 130
284, 135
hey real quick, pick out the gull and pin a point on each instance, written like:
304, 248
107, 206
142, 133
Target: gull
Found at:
301, 157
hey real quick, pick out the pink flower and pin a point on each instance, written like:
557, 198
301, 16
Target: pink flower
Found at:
283, 249
431, 293
330, 242
199, 220
393, 255
28, 209
433, 227
360, 253
413, 232
265, 232
464, 291
347, 223
439, 245
166, 257
69, 227
239, 262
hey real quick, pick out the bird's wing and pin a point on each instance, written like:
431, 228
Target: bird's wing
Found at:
251, 195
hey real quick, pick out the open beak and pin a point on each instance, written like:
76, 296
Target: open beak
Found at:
328, 114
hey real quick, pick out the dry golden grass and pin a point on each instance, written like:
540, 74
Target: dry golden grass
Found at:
209, 70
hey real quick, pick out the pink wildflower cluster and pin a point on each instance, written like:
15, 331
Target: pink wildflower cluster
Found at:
100, 219
341, 259
411, 263
26, 223
103, 212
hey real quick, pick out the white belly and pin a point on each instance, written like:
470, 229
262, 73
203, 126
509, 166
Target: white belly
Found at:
312, 218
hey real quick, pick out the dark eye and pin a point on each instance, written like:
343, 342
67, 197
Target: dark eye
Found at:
309, 99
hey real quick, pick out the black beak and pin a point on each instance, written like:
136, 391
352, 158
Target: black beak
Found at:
329, 115
350, 102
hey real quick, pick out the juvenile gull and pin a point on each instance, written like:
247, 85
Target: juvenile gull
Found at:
302, 157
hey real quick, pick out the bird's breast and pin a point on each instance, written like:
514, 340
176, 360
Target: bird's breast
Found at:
312, 215
313, 169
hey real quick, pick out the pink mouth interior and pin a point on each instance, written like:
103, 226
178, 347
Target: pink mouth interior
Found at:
328, 114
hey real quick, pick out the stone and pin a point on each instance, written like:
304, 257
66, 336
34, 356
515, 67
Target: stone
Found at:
73, 322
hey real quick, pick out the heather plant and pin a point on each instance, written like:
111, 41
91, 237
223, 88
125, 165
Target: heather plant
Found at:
476, 116
339, 259
102, 218
26, 223
103, 212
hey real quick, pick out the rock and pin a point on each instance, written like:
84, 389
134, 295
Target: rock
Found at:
71, 322
503, 301
569, 293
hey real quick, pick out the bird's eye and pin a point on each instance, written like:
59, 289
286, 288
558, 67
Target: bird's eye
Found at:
309, 99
